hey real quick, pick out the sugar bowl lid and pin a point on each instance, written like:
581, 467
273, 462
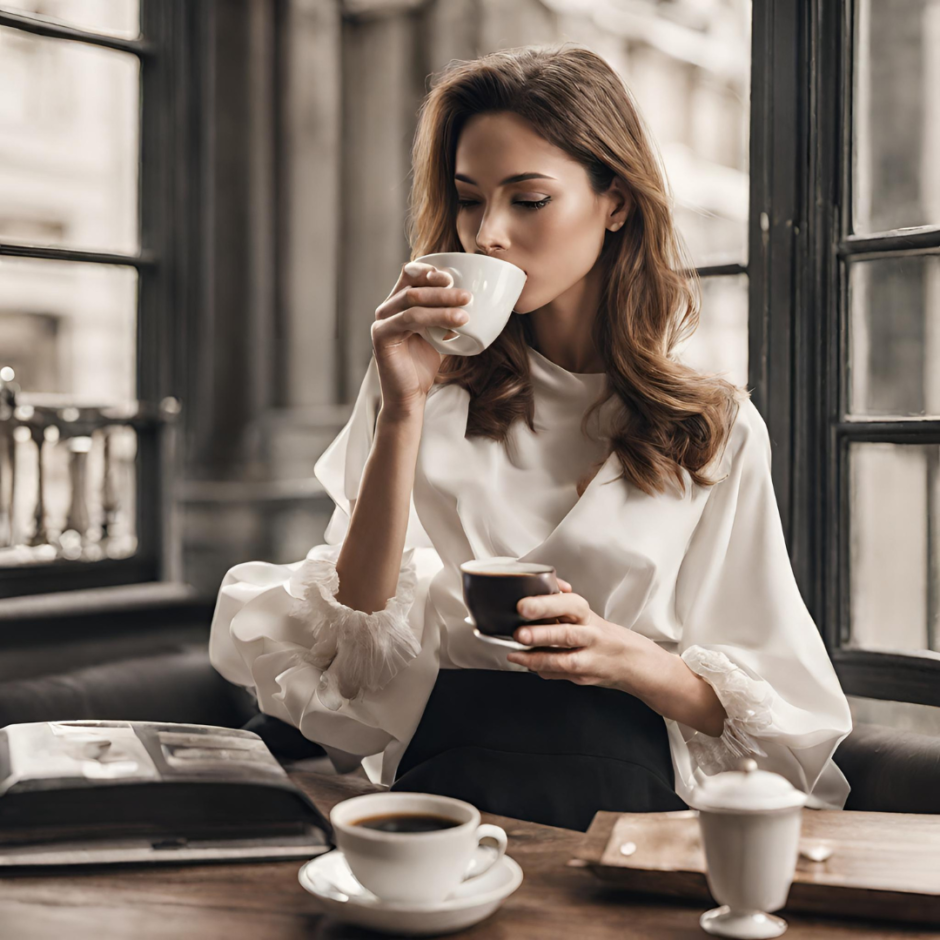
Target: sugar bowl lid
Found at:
747, 790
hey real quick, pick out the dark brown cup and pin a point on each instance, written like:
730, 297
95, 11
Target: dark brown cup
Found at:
492, 589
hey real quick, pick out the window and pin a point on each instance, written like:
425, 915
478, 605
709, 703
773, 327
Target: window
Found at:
86, 410
886, 447
845, 318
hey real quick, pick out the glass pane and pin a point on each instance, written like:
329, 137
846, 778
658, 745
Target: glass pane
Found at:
688, 66
895, 550
896, 115
69, 116
114, 17
70, 328
720, 342
894, 336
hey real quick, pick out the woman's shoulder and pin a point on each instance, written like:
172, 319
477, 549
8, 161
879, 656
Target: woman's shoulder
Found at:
749, 429
749, 436
745, 438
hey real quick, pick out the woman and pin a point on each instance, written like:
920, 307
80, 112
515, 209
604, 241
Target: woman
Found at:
576, 439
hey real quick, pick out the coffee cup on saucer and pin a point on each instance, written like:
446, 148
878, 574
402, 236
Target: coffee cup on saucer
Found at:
414, 847
338, 894
495, 286
750, 821
493, 587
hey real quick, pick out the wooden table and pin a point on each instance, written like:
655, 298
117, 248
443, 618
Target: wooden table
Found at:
265, 901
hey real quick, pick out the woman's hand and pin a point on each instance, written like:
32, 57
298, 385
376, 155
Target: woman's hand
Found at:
406, 362
598, 652
602, 653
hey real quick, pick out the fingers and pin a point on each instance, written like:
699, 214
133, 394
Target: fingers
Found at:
567, 635
563, 662
415, 320
417, 297
543, 606
564, 585
418, 271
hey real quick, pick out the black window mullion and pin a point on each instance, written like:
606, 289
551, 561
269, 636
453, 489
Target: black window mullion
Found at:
41, 26
890, 246
890, 431
817, 469
776, 243
45, 253
721, 270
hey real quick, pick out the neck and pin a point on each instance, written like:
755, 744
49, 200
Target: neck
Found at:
562, 328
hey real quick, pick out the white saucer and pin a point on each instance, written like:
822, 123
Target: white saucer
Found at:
328, 878
504, 641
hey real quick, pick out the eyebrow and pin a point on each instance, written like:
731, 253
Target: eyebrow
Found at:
518, 178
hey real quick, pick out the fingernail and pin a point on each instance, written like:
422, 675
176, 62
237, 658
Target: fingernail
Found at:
413, 269
524, 636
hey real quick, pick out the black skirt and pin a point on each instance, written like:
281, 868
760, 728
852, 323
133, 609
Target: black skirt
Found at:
543, 750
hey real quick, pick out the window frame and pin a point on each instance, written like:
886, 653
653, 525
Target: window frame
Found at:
165, 265
801, 162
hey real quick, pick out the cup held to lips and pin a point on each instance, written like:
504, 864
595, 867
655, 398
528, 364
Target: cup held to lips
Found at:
495, 286
413, 862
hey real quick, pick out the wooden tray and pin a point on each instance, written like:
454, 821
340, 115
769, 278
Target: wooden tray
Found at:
883, 865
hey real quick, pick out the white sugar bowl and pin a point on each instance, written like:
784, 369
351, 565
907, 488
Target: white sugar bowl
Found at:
750, 821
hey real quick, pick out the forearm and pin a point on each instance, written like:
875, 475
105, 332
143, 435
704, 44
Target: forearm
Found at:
674, 691
369, 562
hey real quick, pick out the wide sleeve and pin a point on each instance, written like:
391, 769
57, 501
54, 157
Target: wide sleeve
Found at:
328, 669
746, 630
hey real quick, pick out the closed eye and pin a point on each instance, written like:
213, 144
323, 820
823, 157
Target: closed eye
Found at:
540, 204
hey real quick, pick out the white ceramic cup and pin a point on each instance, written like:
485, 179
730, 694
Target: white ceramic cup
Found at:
421, 867
495, 286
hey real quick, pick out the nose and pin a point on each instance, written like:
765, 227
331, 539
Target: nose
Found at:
491, 238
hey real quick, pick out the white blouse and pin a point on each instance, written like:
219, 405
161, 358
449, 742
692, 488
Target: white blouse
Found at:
706, 575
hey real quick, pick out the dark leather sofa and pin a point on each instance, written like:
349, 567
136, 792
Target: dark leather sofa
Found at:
889, 770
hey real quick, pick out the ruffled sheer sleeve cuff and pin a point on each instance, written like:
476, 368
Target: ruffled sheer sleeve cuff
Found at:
357, 652
747, 702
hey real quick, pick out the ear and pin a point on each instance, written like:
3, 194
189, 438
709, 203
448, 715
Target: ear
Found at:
621, 203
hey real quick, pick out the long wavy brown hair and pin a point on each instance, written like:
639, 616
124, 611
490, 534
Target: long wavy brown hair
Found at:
674, 417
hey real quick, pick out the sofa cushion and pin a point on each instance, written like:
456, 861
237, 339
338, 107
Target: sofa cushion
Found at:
891, 771
284, 741
178, 684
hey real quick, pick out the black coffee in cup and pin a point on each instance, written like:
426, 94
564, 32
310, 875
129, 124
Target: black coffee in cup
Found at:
493, 588
407, 822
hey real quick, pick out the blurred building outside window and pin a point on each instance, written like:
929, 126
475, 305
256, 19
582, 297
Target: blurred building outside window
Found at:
69, 158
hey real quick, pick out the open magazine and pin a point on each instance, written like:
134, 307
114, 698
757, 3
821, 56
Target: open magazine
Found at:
102, 792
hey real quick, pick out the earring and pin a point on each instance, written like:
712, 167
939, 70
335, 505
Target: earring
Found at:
616, 226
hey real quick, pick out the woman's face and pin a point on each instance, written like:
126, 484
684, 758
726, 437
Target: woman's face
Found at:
557, 238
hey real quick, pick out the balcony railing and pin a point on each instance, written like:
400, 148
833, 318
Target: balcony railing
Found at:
68, 476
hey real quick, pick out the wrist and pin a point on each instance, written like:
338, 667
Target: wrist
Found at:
651, 672
673, 690
402, 415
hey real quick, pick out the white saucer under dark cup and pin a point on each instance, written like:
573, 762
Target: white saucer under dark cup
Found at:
507, 642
